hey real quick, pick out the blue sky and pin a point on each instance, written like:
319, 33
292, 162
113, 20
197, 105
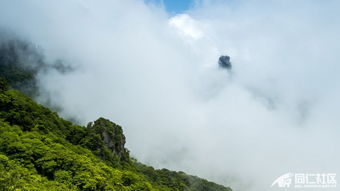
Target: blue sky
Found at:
174, 6
177, 6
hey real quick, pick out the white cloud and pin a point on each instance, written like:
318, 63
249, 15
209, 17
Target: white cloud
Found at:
276, 112
186, 26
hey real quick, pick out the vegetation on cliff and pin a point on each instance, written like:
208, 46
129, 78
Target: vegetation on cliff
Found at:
41, 151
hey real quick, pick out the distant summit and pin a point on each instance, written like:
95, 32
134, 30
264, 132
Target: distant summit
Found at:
224, 62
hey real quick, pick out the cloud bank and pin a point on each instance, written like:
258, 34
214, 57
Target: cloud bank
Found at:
158, 77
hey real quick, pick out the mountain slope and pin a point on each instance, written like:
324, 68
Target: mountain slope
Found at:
41, 151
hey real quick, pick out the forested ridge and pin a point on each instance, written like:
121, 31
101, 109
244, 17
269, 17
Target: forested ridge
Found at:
41, 151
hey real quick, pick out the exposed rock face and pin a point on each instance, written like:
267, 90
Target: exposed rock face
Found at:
224, 62
107, 139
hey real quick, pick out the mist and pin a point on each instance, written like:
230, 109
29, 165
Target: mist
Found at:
157, 76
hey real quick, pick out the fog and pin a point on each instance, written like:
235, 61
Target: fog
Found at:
157, 75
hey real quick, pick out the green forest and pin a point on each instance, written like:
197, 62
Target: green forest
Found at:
41, 151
